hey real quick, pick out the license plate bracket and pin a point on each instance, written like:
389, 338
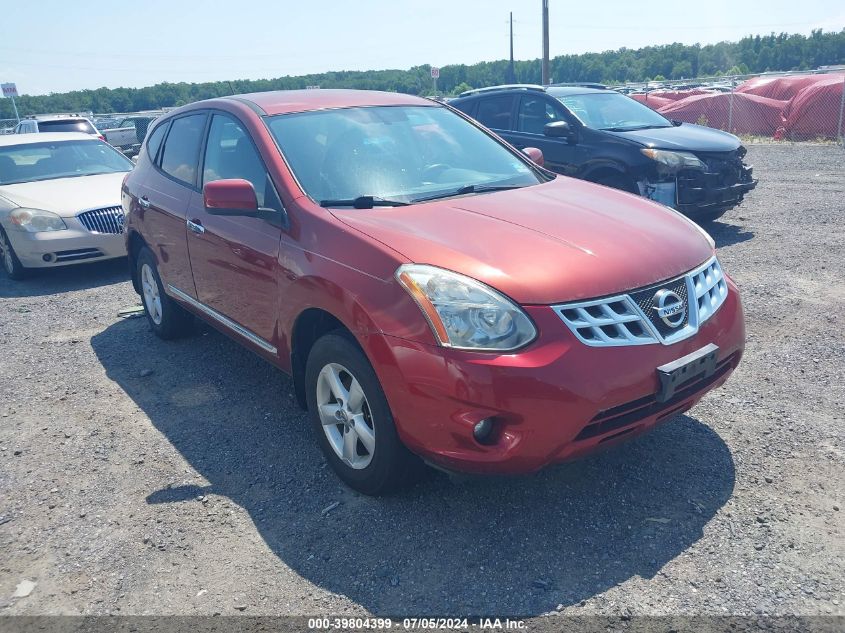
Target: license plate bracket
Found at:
698, 364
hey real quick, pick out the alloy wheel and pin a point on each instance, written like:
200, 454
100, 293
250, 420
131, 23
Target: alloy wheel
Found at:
345, 416
152, 298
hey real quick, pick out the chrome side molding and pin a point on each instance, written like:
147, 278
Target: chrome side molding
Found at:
224, 320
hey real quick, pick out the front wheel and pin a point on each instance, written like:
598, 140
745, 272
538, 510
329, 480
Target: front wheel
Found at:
618, 181
709, 216
352, 420
11, 263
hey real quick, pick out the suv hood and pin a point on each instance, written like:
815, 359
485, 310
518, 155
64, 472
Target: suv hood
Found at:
559, 241
66, 196
685, 137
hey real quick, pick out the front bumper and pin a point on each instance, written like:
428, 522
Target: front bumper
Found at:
696, 192
555, 400
706, 191
76, 244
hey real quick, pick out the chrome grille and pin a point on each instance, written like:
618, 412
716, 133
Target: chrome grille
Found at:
107, 220
645, 300
606, 322
631, 319
710, 289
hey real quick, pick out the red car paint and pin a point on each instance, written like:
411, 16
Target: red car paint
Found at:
561, 241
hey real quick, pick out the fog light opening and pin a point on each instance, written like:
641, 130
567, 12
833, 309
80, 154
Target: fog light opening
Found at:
48, 257
483, 431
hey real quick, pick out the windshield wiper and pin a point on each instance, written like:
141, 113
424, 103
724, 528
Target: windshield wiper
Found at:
460, 191
364, 202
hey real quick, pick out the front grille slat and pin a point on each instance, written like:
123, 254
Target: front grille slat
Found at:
606, 322
632, 318
108, 221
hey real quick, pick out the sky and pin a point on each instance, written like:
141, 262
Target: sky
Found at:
64, 46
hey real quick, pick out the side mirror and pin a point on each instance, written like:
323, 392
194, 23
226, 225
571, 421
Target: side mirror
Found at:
534, 154
559, 129
233, 196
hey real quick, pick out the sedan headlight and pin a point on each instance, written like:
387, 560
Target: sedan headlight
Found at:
36, 220
465, 313
674, 161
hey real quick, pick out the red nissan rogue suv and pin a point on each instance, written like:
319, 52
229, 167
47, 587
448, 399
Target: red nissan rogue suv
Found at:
433, 292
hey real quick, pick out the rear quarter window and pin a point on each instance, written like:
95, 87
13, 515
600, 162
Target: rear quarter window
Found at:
154, 141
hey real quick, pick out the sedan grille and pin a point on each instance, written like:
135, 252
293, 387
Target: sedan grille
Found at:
108, 220
634, 318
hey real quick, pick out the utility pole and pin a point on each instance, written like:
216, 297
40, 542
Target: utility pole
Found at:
546, 81
511, 78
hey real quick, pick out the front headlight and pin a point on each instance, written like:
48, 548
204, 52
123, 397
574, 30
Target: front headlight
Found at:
36, 220
673, 161
465, 313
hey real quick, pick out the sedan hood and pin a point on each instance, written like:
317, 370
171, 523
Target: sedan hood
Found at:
560, 241
686, 137
66, 196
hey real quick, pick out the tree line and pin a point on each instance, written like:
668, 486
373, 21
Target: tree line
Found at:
752, 54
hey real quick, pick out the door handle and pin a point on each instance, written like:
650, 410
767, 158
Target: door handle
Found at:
144, 202
196, 226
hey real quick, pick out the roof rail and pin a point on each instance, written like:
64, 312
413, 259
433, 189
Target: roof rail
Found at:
476, 91
580, 84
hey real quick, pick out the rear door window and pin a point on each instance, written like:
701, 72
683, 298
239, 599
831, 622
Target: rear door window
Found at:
495, 112
182, 148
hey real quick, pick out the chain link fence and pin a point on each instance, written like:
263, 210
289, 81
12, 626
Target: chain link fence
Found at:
788, 107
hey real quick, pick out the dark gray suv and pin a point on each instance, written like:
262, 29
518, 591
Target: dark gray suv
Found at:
605, 137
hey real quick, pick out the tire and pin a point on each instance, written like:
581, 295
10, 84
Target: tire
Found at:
11, 264
617, 181
166, 318
709, 216
363, 447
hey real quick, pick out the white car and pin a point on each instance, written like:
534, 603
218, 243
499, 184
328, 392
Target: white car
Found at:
58, 123
59, 200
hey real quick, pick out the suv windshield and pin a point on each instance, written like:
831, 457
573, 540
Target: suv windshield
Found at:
612, 111
393, 153
67, 125
65, 159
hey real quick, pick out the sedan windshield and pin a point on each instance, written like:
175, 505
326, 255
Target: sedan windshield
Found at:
62, 159
612, 111
393, 155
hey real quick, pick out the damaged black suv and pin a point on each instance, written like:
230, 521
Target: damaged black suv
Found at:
605, 137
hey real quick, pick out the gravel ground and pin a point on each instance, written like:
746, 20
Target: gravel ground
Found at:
146, 477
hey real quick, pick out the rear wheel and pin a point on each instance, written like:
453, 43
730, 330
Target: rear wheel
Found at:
11, 263
352, 420
167, 319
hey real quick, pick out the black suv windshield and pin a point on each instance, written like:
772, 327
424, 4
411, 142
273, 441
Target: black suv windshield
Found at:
612, 111
393, 154
63, 159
